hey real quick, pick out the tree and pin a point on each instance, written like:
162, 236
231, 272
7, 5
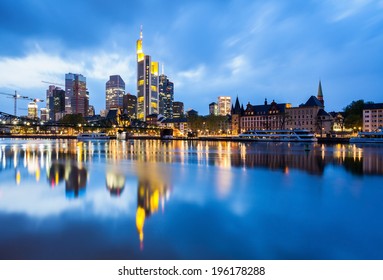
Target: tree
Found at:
73, 119
353, 114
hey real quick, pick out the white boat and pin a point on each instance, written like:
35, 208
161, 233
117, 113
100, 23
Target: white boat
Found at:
279, 135
93, 136
368, 137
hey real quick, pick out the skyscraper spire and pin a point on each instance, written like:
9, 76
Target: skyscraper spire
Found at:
139, 51
320, 93
162, 68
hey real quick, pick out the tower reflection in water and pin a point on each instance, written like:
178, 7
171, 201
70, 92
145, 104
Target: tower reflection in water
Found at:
75, 176
115, 181
152, 192
65, 162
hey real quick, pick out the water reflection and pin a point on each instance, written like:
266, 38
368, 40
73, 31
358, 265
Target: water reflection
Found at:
229, 189
67, 160
115, 181
73, 173
152, 191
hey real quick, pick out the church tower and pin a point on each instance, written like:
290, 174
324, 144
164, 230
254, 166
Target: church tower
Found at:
320, 93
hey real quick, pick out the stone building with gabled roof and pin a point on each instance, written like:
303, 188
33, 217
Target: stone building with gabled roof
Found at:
310, 115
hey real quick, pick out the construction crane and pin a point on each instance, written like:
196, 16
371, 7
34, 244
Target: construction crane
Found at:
53, 84
16, 96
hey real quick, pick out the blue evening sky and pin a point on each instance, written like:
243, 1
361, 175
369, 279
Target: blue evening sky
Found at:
272, 49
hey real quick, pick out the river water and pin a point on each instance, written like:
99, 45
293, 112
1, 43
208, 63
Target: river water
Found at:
148, 199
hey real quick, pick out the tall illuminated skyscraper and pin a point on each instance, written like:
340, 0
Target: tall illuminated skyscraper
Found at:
114, 92
224, 105
147, 83
76, 95
166, 93
32, 110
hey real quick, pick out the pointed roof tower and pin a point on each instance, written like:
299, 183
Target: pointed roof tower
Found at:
237, 107
320, 93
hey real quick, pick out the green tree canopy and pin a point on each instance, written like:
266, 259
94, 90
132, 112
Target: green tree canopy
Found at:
73, 119
353, 114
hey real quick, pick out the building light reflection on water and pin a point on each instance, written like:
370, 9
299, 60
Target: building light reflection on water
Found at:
35, 158
68, 164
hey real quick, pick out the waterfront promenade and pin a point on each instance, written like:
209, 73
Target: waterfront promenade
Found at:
329, 140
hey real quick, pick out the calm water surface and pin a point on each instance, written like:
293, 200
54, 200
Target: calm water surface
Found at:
147, 199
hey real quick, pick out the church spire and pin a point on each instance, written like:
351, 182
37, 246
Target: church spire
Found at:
320, 93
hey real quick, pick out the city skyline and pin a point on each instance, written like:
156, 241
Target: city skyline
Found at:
272, 50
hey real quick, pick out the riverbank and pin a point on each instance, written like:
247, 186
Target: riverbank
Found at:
321, 140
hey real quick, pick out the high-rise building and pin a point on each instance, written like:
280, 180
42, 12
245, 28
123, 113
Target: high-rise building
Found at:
224, 105
55, 101
32, 110
76, 94
166, 91
91, 111
44, 114
213, 109
147, 83
49, 103
178, 109
130, 105
114, 91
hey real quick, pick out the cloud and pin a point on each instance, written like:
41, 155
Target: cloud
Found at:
189, 76
343, 9
28, 71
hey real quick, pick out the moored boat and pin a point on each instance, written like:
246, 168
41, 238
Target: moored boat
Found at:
279, 135
93, 136
368, 137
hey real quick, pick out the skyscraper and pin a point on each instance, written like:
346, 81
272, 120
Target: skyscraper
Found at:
166, 90
76, 95
55, 101
178, 109
32, 110
224, 105
147, 83
114, 92
130, 105
213, 109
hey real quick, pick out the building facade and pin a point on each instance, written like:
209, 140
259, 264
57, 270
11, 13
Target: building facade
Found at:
130, 105
166, 94
114, 92
76, 95
311, 115
55, 102
178, 109
266, 116
147, 83
213, 109
32, 110
224, 105
44, 114
372, 117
